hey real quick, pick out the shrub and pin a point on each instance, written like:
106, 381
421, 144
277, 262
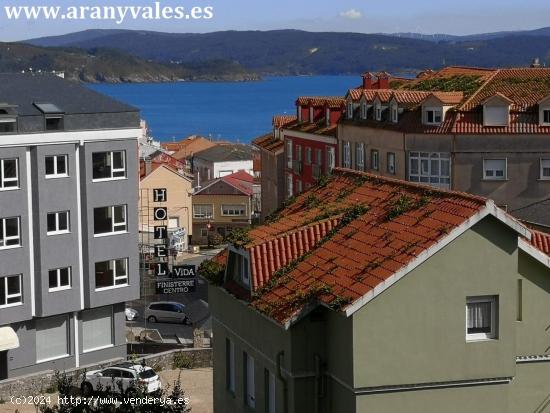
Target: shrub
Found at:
212, 271
214, 239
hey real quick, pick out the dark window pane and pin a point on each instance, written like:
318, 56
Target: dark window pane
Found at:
101, 165
102, 220
10, 168
64, 277
50, 165
51, 223
12, 227
63, 221
52, 276
2, 291
62, 164
103, 275
13, 285
118, 160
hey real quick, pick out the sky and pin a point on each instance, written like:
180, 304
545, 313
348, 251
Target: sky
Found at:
365, 16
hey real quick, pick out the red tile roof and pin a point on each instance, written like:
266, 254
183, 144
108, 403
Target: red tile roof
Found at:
269, 143
318, 128
541, 241
281, 120
241, 180
330, 101
338, 241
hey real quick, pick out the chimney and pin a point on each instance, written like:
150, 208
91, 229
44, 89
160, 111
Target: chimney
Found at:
367, 80
148, 166
383, 80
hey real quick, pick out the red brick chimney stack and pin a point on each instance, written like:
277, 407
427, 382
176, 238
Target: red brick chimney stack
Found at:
383, 80
367, 80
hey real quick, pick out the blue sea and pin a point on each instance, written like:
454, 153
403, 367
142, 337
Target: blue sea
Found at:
236, 111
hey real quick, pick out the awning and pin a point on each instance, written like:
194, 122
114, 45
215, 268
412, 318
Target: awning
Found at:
8, 339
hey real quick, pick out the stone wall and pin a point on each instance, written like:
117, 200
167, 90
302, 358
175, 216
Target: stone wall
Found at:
44, 382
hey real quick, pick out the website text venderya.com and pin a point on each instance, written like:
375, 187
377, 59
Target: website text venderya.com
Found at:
119, 14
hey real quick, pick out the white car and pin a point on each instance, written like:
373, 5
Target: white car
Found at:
121, 378
130, 314
166, 312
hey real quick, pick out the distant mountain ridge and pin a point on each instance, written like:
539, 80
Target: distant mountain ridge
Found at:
295, 52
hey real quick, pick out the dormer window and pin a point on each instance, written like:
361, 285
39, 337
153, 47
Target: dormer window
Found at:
546, 116
394, 114
53, 116
350, 110
8, 120
363, 110
433, 116
377, 111
311, 114
496, 110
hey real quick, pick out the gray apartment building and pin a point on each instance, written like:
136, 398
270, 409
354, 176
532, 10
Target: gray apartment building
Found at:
482, 131
68, 224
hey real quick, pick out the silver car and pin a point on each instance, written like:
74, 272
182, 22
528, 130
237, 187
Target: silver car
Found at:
166, 312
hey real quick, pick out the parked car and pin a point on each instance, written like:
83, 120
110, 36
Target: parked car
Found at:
121, 378
167, 312
131, 314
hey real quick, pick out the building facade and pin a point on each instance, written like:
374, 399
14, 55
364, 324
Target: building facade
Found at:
311, 145
221, 160
222, 205
397, 297
490, 135
68, 219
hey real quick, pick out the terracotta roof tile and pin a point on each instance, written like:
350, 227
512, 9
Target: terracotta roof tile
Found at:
541, 241
281, 120
269, 143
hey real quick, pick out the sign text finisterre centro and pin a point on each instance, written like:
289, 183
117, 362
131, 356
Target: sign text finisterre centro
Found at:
182, 278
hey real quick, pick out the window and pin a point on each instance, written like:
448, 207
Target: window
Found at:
363, 110
10, 235
9, 174
289, 187
270, 392
331, 159
546, 116
318, 156
360, 156
377, 111
109, 220
289, 154
394, 114
430, 168
308, 155
8, 121
481, 318
374, 159
56, 166
204, 232
203, 211
230, 365
54, 123
299, 153
52, 338
391, 163
97, 328
59, 279
494, 169
496, 115
112, 273
298, 185
109, 165
234, 210
433, 116
350, 110
249, 384
242, 268
58, 223
545, 169
346, 155
311, 114
10, 291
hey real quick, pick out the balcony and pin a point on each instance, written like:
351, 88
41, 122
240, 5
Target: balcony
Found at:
297, 166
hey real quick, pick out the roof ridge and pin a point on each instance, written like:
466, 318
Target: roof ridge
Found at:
479, 89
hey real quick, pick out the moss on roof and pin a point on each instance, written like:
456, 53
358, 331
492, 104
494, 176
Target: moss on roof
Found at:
458, 83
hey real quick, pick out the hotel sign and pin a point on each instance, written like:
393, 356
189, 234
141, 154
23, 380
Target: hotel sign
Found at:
176, 286
184, 271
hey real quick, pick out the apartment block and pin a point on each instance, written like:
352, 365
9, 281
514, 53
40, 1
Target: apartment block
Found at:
68, 224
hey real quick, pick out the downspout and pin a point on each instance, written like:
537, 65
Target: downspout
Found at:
280, 355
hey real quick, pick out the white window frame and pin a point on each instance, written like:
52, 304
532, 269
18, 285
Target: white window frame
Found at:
114, 224
544, 112
394, 114
350, 110
3, 179
198, 212
57, 231
56, 174
360, 156
428, 176
115, 275
311, 114
4, 279
289, 155
308, 155
230, 210
375, 159
331, 158
299, 185
58, 274
113, 169
12, 237
391, 163
504, 176
378, 111
544, 164
364, 110
346, 154
289, 186
491, 335
436, 112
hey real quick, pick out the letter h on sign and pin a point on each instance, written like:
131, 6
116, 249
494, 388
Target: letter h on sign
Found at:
160, 195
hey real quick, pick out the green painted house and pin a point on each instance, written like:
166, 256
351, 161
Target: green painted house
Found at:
368, 294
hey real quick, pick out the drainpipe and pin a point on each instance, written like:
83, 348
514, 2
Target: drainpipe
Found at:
280, 356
